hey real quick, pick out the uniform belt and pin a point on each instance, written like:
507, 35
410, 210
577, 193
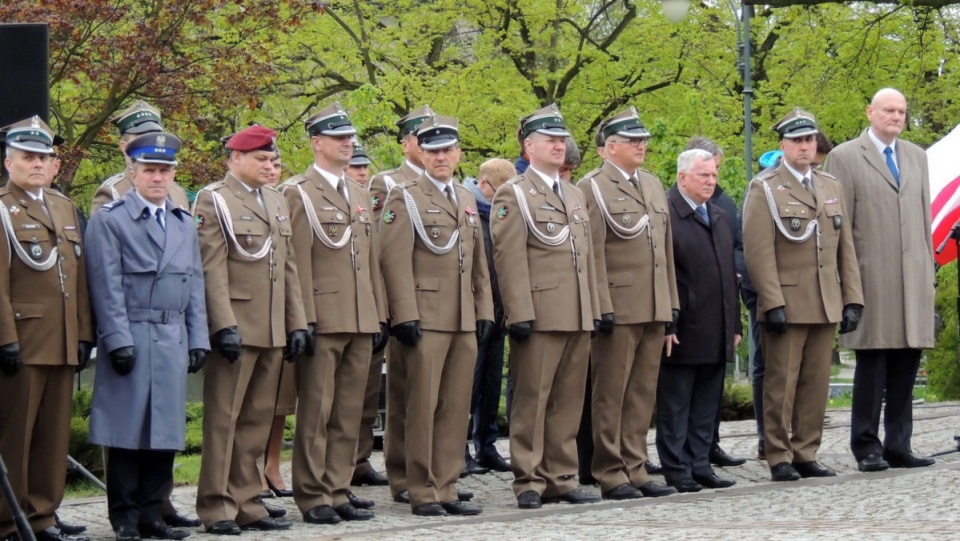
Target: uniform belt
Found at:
155, 316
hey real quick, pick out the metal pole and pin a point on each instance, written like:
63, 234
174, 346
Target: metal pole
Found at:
747, 11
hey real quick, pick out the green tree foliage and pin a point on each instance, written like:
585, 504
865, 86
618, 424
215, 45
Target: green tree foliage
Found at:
943, 370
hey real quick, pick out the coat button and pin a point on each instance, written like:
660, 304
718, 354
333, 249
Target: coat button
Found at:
16, 314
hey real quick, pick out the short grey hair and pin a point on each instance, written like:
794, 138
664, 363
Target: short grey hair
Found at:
572, 155
687, 158
703, 143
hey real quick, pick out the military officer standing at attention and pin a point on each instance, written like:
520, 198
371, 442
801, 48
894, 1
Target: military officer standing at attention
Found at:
254, 308
393, 446
633, 251
441, 306
887, 191
338, 266
146, 286
358, 168
798, 243
46, 327
138, 119
544, 261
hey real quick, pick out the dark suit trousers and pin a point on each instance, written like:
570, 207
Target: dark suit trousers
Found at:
394, 451
137, 483
371, 403
487, 382
687, 400
585, 448
756, 357
893, 370
35, 409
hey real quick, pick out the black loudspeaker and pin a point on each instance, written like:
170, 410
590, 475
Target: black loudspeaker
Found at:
25, 72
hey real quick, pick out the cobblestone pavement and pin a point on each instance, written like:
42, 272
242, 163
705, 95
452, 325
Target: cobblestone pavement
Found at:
916, 504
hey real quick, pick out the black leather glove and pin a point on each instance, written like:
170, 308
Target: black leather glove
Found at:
227, 342
311, 346
10, 358
296, 344
851, 318
408, 332
198, 358
521, 330
84, 349
776, 321
123, 360
484, 330
671, 327
606, 323
381, 338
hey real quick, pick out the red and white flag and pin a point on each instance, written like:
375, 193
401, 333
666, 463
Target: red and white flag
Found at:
943, 158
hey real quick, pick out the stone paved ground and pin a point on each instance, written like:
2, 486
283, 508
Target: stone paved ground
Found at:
897, 504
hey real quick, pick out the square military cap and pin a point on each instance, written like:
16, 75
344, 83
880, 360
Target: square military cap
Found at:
409, 123
796, 123
31, 135
140, 117
332, 121
625, 124
547, 121
359, 156
160, 148
438, 132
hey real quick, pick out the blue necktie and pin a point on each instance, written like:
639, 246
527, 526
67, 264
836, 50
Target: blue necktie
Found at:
888, 153
702, 211
160, 219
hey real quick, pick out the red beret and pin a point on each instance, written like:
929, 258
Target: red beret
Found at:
253, 138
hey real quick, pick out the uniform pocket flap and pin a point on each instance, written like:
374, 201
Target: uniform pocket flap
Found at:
789, 278
428, 283
547, 281
27, 310
241, 291
326, 284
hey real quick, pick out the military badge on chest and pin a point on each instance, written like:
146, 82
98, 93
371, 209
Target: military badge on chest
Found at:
36, 251
795, 224
389, 216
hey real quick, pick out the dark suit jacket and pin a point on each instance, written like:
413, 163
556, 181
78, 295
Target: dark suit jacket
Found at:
706, 284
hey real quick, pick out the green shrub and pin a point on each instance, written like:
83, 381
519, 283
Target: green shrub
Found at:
943, 371
737, 401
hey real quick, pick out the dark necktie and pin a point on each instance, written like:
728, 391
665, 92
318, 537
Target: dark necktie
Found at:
888, 154
160, 219
634, 182
342, 190
448, 191
807, 183
702, 211
556, 189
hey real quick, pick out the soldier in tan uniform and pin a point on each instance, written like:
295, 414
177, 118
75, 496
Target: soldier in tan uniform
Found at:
338, 266
633, 251
798, 243
254, 308
394, 460
136, 120
46, 327
544, 260
358, 168
440, 306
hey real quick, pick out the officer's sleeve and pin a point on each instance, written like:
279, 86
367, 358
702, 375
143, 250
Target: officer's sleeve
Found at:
598, 240
292, 296
198, 336
376, 276
303, 246
105, 275
377, 191
213, 255
102, 196
396, 259
671, 269
86, 331
8, 328
509, 233
850, 285
759, 248
482, 290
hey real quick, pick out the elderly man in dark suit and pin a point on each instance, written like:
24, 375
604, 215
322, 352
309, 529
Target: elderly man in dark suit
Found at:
887, 195
698, 346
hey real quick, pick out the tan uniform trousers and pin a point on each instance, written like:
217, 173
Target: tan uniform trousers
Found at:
624, 365
371, 403
394, 452
439, 382
549, 378
795, 387
330, 386
238, 404
35, 406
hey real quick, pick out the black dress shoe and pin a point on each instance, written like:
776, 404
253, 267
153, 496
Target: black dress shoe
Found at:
159, 530
402, 497
909, 460
622, 492
430, 509
653, 490
464, 495
529, 500
713, 481
872, 462
358, 502
371, 477
280, 492
456, 507
349, 512
322, 514
652, 468
266, 494
273, 512
54, 534
687, 485
494, 463
784, 471
176, 520
268, 524
67, 528
224, 527
719, 457
813, 469
128, 532
470, 467
575, 496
